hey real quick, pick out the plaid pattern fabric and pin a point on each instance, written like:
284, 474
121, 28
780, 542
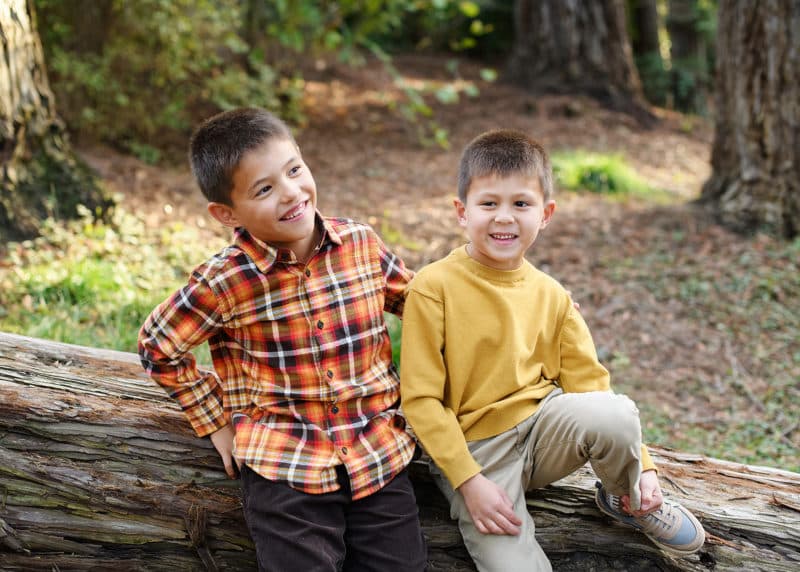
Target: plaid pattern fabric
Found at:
302, 357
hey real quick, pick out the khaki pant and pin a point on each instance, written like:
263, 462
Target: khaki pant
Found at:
567, 430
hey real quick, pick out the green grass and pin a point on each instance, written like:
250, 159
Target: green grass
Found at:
750, 441
599, 173
748, 293
93, 284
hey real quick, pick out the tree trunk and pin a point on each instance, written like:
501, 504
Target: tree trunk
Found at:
99, 470
647, 50
689, 57
40, 176
572, 46
644, 14
755, 183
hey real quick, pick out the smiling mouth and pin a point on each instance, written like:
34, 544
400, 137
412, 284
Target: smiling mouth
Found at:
503, 236
296, 212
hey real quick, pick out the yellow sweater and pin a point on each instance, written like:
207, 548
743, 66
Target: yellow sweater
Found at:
481, 349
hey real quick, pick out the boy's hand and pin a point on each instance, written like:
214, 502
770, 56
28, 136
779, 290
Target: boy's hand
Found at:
650, 490
223, 443
489, 506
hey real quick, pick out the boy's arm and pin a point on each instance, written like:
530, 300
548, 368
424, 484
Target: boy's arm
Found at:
422, 387
185, 320
581, 370
396, 277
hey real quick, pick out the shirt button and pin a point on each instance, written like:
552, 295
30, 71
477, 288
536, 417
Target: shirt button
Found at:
329, 374
308, 272
344, 450
320, 324
335, 409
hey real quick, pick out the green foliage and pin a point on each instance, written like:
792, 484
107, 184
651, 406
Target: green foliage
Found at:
598, 173
655, 78
481, 28
395, 327
162, 64
680, 83
152, 69
93, 283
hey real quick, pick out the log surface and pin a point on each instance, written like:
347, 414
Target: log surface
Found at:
100, 470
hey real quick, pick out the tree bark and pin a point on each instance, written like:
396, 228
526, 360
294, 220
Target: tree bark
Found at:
99, 470
645, 18
40, 175
572, 46
755, 183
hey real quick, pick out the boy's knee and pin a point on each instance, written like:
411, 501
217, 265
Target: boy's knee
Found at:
618, 418
611, 415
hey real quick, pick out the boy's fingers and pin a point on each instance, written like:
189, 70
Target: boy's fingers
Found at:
508, 511
229, 471
510, 517
229, 468
509, 528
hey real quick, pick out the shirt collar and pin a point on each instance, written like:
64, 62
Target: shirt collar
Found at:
265, 255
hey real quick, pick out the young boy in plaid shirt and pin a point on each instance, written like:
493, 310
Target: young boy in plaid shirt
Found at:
303, 397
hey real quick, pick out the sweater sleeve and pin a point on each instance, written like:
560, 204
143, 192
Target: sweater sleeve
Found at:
580, 368
422, 388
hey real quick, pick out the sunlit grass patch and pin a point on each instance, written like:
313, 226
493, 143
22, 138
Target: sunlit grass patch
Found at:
600, 173
92, 283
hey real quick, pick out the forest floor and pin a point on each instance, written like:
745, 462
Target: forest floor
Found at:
698, 325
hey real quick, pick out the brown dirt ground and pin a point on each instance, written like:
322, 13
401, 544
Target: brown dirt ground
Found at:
368, 165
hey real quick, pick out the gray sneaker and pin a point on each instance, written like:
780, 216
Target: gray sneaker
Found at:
671, 527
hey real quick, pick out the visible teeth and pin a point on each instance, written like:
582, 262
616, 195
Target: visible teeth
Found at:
294, 213
503, 236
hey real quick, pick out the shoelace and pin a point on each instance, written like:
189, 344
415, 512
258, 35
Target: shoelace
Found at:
661, 520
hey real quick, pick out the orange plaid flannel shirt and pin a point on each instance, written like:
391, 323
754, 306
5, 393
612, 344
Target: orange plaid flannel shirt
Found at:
302, 357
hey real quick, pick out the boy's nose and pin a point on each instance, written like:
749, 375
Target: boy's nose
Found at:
503, 217
291, 192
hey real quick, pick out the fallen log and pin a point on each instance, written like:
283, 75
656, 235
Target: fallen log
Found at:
99, 470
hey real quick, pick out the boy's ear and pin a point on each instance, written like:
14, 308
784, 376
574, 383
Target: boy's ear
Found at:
547, 215
224, 214
461, 212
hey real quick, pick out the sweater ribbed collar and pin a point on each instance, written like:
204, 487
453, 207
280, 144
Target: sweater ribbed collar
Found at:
489, 273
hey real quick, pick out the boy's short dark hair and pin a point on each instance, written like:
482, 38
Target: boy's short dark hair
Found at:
503, 153
219, 143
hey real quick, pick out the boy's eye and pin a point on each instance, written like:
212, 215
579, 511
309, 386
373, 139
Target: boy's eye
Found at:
521, 204
488, 204
294, 170
263, 190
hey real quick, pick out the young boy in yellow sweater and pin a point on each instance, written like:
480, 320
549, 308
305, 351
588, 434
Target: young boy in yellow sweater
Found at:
500, 378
